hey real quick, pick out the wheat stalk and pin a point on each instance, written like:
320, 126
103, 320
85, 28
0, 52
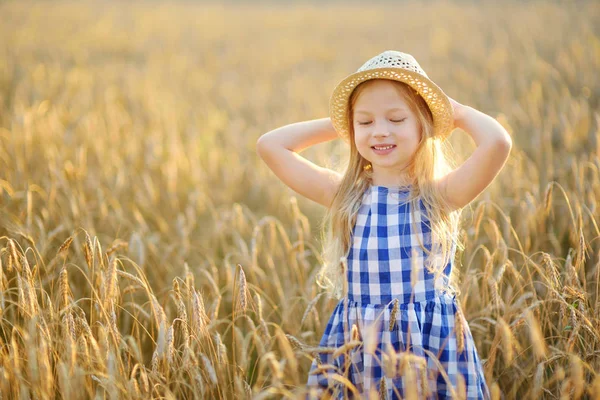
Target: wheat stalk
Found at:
535, 333
13, 260
383, 391
171, 345
159, 352
548, 197
478, 218
88, 250
110, 284
461, 387
199, 317
411, 391
577, 376
394, 314
116, 246
221, 349
65, 246
310, 307
64, 287
507, 340
208, 367
242, 290
459, 329
182, 315
296, 344
538, 380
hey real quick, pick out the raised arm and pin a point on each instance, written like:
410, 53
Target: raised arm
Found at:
466, 182
279, 149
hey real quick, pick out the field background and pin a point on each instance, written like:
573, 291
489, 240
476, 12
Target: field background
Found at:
147, 251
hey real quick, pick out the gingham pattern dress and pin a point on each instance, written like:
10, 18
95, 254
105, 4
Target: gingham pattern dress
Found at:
406, 345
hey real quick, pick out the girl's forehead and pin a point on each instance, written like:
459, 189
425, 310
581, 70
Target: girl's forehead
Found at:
388, 109
381, 103
380, 96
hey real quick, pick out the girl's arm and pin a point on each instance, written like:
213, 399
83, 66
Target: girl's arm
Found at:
279, 149
466, 182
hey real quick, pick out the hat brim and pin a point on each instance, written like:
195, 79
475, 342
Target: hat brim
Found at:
436, 99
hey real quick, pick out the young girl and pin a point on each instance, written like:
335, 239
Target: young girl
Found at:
392, 230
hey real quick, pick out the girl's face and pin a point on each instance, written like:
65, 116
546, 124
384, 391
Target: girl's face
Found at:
386, 131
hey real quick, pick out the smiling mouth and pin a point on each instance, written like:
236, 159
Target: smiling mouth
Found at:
387, 147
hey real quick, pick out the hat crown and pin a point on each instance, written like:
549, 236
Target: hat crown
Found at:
396, 66
393, 59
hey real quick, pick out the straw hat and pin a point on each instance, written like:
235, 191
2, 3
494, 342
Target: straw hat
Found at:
396, 66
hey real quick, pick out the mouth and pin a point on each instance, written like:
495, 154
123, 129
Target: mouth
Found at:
384, 147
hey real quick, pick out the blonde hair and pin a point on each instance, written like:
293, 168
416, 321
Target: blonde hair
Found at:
431, 161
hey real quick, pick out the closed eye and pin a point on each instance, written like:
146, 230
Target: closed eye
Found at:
396, 121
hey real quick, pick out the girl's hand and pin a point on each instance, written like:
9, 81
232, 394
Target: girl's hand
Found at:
459, 111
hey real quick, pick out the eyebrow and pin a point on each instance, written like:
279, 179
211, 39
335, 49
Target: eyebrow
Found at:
391, 109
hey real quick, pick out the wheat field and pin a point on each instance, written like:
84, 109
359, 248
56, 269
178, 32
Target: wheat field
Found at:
147, 252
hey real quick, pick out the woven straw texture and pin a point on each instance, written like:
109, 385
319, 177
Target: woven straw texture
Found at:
399, 67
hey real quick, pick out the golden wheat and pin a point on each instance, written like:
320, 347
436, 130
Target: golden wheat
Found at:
148, 119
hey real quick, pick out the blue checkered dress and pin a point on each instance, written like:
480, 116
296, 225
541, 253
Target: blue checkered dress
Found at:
410, 352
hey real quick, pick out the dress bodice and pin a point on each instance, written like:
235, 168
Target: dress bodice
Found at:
385, 246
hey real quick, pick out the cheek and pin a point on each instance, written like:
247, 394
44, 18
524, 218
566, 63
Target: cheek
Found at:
362, 145
412, 134
360, 140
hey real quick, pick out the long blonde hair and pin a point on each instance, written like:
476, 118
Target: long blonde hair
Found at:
431, 161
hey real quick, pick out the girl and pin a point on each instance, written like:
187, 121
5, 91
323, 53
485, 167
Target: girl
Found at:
392, 222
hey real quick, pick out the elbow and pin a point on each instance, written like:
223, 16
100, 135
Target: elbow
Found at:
507, 140
504, 144
261, 146
508, 144
268, 146
503, 147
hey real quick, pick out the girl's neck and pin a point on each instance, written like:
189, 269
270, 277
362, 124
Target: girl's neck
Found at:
391, 177
392, 182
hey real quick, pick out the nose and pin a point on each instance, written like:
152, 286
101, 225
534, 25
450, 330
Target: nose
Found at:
381, 133
380, 129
